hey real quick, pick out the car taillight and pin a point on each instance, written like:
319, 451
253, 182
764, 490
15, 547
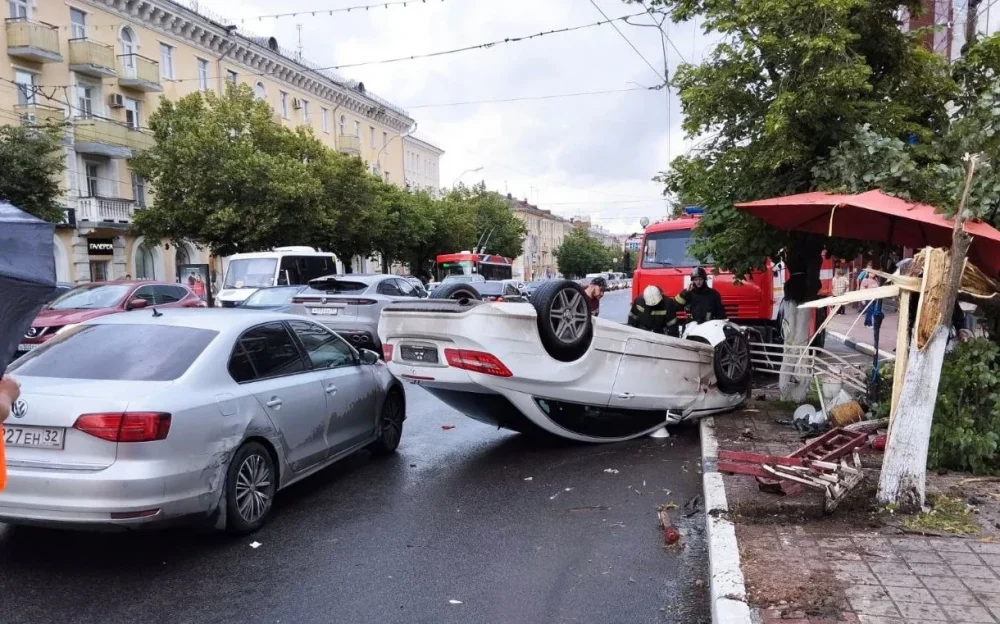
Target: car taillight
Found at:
477, 362
125, 427
357, 301
387, 351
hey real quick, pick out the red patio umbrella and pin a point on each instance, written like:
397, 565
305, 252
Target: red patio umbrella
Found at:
875, 216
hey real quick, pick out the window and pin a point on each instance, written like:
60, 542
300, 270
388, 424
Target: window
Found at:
323, 347
131, 113
259, 91
357, 129
668, 249
385, 139
77, 24
288, 271
19, 9
99, 270
343, 125
388, 287
128, 52
181, 256
284, 104
305, 111
145, 260
371, 135
406, 289
202, 74
169, 294
141, 352
92, 175
325, 122
166, 61
139, 191
85, 101
146, 293
271, 351
25, 87
232, 76
240, 368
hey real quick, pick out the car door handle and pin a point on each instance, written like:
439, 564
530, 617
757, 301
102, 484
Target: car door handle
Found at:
626, 395
331, 389
275, 402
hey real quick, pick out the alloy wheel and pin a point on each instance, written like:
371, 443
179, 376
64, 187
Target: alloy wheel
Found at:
254, 488
568, 315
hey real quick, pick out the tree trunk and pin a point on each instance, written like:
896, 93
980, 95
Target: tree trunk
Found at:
385, 264
972, 17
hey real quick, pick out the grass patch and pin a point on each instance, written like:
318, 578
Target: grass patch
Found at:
947, 515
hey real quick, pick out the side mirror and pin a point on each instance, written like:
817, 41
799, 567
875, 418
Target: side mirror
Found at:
369, 357
137, 304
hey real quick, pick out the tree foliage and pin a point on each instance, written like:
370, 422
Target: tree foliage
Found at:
31, 167
789, 82
497, 229
581, 253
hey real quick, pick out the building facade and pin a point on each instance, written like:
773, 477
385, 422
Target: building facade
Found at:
101, 66
946, 22
544, 233
421, 165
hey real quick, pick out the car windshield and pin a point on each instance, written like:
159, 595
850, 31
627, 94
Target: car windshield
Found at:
272, 296
447, 270
457, 278
113, 352
668, 249
251, 273
489, 288
92, 297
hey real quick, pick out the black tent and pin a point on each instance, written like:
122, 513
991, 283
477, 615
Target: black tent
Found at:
27, 275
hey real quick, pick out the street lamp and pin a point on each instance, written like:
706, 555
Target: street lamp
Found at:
463, 173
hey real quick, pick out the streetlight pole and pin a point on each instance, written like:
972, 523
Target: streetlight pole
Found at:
463, 173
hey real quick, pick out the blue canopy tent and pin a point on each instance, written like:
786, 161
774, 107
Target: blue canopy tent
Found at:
27, 275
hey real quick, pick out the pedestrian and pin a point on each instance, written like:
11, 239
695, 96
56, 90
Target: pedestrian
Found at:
595, 292
653, 312
841, 284
9, 391
701, 301
868, 283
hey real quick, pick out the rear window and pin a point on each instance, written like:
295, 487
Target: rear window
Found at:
489, 288
117, 353
337, 286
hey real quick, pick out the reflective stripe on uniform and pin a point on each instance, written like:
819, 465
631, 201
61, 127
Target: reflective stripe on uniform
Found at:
640, 308
658, 313
672, 323
680, 299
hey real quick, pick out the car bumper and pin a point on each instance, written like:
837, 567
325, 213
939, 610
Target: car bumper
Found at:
361, 335
127, 494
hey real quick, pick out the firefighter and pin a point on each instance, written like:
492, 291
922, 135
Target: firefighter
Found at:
654, 312
701, 301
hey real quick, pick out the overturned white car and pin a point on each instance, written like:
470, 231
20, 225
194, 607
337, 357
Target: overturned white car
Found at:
549, 366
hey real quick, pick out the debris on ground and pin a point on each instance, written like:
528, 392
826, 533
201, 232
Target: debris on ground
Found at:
255, 545
455, 602
692, 506
529, 478
670, 533
946, 516
447, 427
610, 471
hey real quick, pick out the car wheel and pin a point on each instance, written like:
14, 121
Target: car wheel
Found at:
564, 323
460, 292
250, 487
732, 363
390, 425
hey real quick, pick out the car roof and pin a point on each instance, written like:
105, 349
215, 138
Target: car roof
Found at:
367, 278
217, 319
132, 283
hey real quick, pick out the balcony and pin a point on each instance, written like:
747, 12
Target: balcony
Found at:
138, 73
103, 137
33, 41
97, 210
38, 115
349, 145
91, 58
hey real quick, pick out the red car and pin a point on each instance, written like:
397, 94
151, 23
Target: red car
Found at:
102, 298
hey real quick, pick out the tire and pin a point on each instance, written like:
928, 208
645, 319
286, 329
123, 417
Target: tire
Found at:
390, 430
732, 363
458, 291
251, 469
565, 326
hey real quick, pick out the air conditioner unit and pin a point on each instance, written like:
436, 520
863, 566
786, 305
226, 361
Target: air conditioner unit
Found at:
116, 100
296, 103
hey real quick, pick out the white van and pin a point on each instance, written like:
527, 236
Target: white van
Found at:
284, 266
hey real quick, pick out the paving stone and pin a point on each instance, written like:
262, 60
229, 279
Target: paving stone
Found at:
955, 597
836, 542
928, 556
849, 618
990, 599
875, 607
921, 612
889, 568
980, 585
878, 619
984, 548
968, 614
949, 545
943, 582
991, 560
855, 578
865, 592
871, 541
878, 556
996, 612
909, 543
974, 571
850, 566
934, 569
910, 594
900, 580
960, 558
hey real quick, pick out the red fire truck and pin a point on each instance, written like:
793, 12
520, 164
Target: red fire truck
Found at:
664, 261
490, 267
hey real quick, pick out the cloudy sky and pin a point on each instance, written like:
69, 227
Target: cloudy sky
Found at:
590, 155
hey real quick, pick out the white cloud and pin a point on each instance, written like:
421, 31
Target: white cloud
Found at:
588, 149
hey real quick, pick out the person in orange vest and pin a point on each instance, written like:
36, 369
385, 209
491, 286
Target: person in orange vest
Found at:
9, 391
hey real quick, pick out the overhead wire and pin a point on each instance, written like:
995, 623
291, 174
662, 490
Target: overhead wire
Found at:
631, 45
529, 98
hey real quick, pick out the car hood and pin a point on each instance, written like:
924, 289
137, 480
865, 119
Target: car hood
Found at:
53, 318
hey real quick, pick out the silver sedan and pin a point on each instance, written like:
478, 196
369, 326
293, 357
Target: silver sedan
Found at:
134, 419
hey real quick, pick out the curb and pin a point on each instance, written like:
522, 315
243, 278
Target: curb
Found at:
728, 588
860, 347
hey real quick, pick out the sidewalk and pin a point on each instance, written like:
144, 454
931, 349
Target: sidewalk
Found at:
855, 565
840, 329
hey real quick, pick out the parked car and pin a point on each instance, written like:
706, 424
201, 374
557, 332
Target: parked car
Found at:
96, 299
351, 304
61, 289
418, 285
455, 279
548, 367
532, 286
499, 290
133, 419
275, 299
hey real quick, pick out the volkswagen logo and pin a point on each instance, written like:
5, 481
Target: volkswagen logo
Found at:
32, 332
19, 409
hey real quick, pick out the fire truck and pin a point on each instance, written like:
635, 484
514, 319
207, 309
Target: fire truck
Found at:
664, 261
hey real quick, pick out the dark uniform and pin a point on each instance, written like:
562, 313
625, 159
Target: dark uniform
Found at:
659, 319
702, 303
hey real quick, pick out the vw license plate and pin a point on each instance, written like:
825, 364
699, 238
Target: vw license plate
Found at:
26, 347
426, 355
324, 311
34, 437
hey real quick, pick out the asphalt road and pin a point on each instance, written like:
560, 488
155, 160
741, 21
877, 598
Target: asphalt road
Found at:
513, 530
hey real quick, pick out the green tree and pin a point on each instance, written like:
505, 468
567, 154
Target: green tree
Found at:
405, 222
31, 167
449, 227
788, 82
226, 176
497, 229
581, 253
352, 208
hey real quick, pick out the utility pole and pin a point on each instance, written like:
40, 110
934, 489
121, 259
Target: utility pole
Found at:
298, 51
971, 24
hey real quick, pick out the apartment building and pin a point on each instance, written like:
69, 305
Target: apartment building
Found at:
543, 236
421, 165
946, 22
101, 66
